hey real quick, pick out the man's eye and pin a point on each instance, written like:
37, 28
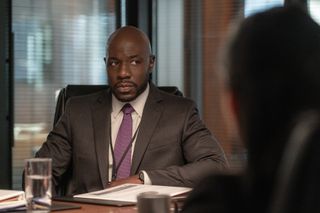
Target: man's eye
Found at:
135, 62
113, 63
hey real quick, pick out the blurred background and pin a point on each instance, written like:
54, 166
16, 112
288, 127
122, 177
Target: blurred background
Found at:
48, 44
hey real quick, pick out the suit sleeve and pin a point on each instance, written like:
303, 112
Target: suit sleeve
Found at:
201, 152
58, 147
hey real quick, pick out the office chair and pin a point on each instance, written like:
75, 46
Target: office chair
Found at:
77, 90
297, 188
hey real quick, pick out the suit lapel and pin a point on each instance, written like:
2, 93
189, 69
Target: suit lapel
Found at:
151, 115
101, 111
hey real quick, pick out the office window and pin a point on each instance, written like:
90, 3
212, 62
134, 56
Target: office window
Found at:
254, 6
190, 35
170, 43
57, 42
314, 9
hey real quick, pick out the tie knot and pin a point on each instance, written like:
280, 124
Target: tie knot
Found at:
127, 109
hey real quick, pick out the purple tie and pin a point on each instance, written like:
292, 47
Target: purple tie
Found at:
122, 144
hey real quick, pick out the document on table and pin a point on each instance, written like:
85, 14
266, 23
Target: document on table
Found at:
129, 192
8, 194
11, 199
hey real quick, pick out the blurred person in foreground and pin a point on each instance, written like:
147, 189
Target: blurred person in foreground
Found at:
273, 73
169, 143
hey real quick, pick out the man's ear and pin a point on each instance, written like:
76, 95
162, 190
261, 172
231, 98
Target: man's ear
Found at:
152, 62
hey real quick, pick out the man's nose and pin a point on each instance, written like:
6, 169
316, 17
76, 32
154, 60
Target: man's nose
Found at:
124, 70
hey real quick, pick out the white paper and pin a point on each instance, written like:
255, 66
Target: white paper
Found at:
6, 205
6, 194
18, 199
129, 192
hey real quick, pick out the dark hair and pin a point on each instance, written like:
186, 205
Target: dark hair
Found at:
274, 70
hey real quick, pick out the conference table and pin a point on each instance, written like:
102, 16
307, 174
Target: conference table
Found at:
152, 198
84, 207
76, 207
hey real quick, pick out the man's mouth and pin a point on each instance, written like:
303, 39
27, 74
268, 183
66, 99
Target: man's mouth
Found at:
124, 87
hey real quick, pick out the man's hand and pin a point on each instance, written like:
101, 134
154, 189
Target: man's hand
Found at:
133, 179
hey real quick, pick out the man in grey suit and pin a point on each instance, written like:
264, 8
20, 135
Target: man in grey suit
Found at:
170, 145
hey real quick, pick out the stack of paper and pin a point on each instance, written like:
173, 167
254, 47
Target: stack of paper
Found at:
129, 192
10, 199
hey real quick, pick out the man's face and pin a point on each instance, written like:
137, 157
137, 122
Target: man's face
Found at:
129, 64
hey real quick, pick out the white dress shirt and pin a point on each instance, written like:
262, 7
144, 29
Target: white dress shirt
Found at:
116, 119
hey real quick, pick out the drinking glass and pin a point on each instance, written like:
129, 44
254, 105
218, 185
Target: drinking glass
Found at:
38, 184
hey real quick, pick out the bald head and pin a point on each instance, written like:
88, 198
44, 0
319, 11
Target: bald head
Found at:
130, 34
129, 62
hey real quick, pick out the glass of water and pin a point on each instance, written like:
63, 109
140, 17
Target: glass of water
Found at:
38, 184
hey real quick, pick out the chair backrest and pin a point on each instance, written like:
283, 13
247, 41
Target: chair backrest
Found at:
297, 188
77, 90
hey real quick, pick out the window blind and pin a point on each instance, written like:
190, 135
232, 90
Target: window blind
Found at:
57, 42
190, 37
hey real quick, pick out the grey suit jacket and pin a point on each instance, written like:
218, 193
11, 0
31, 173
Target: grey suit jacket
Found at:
173, 145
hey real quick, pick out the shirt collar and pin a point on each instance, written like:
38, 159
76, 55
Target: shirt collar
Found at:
137, 104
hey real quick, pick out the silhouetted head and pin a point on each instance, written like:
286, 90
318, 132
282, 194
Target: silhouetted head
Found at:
274, 71
129, 62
